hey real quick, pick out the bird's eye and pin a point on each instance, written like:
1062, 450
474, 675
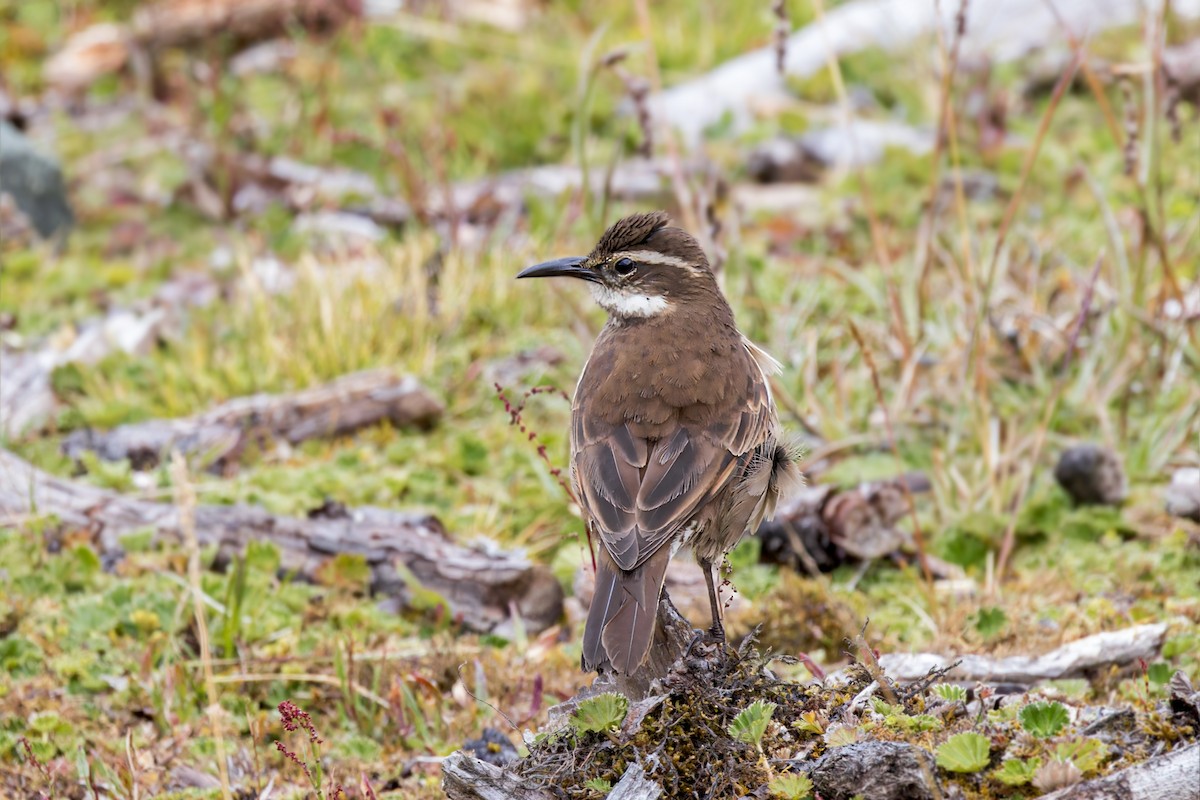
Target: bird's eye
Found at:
625, 266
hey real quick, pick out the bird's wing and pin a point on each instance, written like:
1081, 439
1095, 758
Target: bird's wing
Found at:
640, 494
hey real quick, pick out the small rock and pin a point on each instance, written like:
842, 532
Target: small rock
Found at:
1183, 495
1091, 475
35, 183
493, 747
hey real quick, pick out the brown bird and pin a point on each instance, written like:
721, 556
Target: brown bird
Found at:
674, 435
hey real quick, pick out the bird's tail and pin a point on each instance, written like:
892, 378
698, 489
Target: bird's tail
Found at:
624, 613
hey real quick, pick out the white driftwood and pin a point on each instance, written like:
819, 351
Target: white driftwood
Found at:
465, 777
1002, 29
27, 401
1071, 660
221, 434
477, 200
482, 584
1172, 776
634, 785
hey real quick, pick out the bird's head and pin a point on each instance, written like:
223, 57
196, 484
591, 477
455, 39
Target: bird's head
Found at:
640, 268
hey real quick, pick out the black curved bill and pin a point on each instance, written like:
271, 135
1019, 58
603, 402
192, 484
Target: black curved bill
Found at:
571, 267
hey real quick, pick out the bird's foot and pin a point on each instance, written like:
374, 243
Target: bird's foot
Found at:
711, 644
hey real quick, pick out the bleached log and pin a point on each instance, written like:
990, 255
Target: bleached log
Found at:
1001, 29
223, 433
482, 584
1111, 648
1171, 776
465, 777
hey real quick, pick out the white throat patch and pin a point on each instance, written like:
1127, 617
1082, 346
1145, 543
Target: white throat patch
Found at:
629, 304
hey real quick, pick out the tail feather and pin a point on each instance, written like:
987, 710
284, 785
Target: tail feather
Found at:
623, 614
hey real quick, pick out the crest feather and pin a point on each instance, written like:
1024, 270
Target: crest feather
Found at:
630, 231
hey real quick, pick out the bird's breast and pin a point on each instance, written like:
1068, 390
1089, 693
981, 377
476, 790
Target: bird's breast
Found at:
652, 377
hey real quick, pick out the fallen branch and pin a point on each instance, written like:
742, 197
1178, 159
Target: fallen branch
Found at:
820, 526
1078, 658
222, 434
465, 777
1172, 776
482, 584
1001, 30
27, 399
105, 48
474, 201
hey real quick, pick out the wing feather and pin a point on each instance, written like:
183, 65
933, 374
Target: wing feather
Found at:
641, 493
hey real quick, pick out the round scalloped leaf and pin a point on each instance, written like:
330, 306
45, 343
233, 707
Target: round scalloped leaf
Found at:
964, 752
601, 713
791, 786
1044, 719
1017, 771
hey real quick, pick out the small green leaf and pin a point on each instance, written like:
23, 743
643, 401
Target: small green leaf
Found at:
345, 571
840, 734
600, 714
1086, 754
1003, 714
750, 725
792, 786
1017, 771
1077, 688
599, 785
964, 752
950, 692
884, 708
1159, 673
990, 622
915, 723
1044, 719
809, 722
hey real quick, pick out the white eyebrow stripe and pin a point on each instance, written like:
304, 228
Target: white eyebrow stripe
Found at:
654, 257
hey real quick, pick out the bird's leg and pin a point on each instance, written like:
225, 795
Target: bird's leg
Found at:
717, 631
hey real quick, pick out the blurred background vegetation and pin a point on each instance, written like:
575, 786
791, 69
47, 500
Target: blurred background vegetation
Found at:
1024, 278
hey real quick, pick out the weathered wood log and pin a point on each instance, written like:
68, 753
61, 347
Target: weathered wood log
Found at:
820, 526
634, 785
1171, 776
879, 770
221, 435
476, 201
27, 400
1001, 30
1074, 659
105, 48
465, 777
482, 584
